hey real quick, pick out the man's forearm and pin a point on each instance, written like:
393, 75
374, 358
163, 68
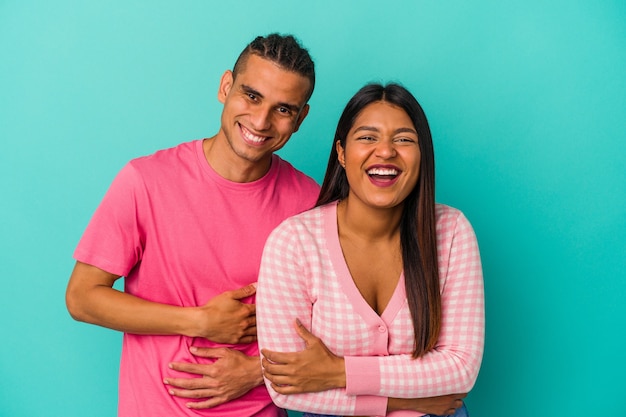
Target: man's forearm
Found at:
91, 299
223, 319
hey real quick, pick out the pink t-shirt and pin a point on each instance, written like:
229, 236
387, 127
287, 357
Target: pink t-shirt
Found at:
181, 234
304, 275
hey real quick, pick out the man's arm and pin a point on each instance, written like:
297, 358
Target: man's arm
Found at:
90, 297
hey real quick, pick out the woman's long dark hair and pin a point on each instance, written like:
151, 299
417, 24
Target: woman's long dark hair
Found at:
417, 226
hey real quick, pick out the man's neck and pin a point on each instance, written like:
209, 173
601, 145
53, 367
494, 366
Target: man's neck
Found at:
230, 166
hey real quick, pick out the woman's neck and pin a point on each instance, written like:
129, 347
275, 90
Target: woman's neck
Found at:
368, 223
370, 242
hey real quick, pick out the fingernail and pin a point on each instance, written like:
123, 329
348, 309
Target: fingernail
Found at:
193, 349
165, 381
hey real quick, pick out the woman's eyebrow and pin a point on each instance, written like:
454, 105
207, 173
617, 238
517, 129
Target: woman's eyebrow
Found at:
360, 128
406, 130
375, 129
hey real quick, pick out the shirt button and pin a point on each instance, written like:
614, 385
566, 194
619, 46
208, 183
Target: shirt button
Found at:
382, 329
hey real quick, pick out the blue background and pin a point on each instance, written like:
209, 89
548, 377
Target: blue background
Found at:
527, 103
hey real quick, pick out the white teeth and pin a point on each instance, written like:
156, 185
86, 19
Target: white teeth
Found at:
382, 171
251, 137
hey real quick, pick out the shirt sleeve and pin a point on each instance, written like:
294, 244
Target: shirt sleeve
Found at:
113, 239
283, 293
453, 365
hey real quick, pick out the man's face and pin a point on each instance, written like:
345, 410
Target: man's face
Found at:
263, 106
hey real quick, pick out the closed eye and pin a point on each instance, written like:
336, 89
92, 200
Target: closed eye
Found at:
405, 140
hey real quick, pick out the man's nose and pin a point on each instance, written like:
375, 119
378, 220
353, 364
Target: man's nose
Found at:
261, 118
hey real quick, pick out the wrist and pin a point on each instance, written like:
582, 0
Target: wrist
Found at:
255, 370
340, 378
190, 321
393, 404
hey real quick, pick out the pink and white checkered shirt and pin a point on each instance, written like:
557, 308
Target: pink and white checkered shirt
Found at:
304, 275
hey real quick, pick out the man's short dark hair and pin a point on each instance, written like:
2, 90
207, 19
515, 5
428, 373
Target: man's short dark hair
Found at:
283, 50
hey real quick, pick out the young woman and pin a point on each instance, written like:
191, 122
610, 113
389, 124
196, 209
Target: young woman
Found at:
372, 303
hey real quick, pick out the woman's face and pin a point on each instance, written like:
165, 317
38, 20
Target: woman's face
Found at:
381, 156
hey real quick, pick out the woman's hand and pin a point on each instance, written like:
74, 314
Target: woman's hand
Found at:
442, 406
312, 370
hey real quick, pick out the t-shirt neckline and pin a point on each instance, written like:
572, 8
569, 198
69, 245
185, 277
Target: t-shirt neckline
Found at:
214, 176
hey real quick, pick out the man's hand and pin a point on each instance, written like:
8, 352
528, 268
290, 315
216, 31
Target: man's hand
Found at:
225, 319
232, 375
314, 369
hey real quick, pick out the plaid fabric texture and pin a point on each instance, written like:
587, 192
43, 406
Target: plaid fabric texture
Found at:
303, 275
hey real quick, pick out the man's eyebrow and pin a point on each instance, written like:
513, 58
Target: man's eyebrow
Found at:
249, 90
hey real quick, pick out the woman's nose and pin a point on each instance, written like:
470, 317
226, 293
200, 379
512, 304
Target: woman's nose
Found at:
386, 149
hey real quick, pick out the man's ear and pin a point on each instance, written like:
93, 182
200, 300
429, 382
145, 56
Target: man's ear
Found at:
341, 154
226, 83
301, 116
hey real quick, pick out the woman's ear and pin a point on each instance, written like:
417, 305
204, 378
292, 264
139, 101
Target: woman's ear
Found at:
341, 154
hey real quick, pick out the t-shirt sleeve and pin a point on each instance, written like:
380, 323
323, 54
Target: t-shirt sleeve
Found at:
284, 294
113, 239
453, 365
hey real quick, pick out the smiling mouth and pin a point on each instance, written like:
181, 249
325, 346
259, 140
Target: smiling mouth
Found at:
250, 137
383, 174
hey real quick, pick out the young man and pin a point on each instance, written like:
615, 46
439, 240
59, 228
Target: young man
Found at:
186, 227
